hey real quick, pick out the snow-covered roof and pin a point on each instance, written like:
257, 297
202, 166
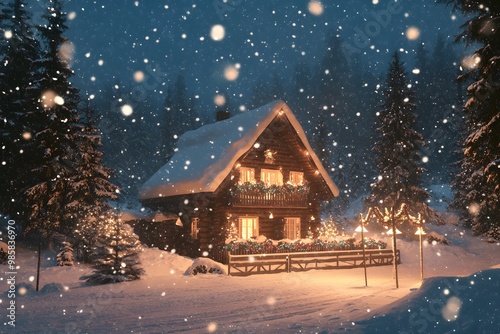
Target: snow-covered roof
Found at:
206, 156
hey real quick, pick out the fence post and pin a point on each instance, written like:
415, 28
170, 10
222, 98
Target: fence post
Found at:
229, 263
289, 263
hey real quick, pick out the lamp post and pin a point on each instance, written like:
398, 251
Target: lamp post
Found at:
393, 232
420, 232
361, 228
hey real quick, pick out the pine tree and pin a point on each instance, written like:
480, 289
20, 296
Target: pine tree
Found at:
128, 141
301, 96
180, 115
18, 104
357, 175
57, 130
334, 100
65, 255
261, 94
91, 188
116, 254
478, 182
342, 202
277, 90
397, 147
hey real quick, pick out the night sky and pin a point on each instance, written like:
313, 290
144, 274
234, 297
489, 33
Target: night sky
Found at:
129, 41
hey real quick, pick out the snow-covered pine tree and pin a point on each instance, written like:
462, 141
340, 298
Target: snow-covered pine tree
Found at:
57, 130
261, 94
91, 187
478, 183
65, 255
18, 103
356, 171
397, 148
116, 254
340, 204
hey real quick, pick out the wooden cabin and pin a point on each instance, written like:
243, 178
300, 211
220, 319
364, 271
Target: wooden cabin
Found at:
252, 174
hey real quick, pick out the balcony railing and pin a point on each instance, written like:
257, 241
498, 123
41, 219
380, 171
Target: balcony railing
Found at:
270, 200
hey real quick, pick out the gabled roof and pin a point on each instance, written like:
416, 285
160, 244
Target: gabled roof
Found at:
206, 156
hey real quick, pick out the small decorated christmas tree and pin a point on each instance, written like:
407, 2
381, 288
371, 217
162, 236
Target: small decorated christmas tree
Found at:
65, 256
116, 254
328, 229
232, 231
310, 233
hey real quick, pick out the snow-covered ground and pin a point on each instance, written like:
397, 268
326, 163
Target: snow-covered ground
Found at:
167, 300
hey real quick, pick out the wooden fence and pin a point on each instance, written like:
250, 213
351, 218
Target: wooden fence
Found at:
243, 265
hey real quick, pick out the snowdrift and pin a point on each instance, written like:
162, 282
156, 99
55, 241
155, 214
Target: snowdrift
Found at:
444, 305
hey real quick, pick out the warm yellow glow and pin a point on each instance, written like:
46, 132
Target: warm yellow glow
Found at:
390, 231
231, 73
474, 209
315, 7
271, 215
127, 110
316, 172
26, 135
358, 229
47, 99
139, 76
217, 32
219, 100
66, 52
420, 231
412, 33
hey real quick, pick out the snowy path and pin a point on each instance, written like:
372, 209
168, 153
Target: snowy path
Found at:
166, 301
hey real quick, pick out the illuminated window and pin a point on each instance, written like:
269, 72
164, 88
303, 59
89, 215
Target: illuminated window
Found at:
194, 227
297, 178
247, 175
249, 227
271, 177
292, 228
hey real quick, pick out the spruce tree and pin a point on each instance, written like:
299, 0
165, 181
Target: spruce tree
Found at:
18, 105
301, 95
57, 130
341, 203
397, 148
91, 188
65, 255
180, 115
116, 254
261, 94
477, 186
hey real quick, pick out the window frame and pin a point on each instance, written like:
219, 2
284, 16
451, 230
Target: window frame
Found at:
255, 228
195, 227
278, 173
294, 223
295, 174
247, 174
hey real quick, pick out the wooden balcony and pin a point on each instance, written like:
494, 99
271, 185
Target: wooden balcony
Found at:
270, 200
